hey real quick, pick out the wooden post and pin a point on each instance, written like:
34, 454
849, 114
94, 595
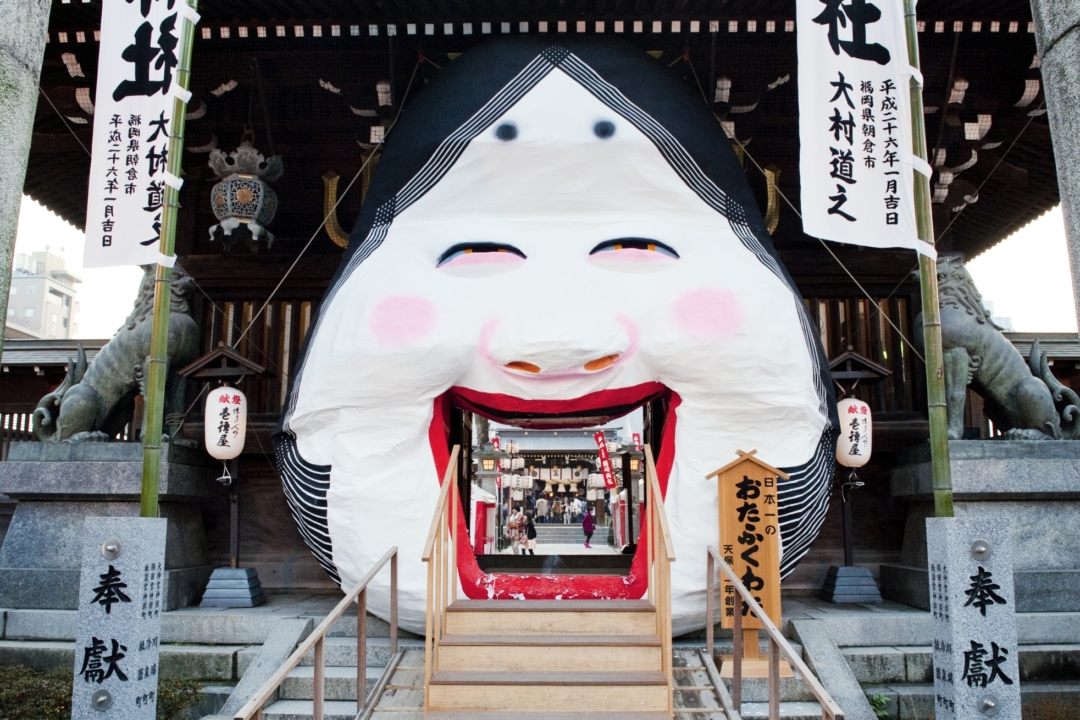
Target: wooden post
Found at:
361, 648
393, 605
710, 602
737, 662
319, 674
774, 680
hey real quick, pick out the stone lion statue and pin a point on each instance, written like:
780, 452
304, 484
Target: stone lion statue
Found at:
1023, 399
94, 401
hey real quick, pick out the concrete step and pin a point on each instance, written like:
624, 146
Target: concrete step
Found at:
1039, 699
213, 663
914, 664
341, 651
340, 683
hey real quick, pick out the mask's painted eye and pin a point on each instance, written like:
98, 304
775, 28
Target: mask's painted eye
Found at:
642, 244
633, 255
480, 259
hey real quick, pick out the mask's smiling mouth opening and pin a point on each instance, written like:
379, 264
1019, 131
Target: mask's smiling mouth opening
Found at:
490, 560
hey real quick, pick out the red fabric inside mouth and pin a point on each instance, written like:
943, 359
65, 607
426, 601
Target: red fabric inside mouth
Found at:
478, 585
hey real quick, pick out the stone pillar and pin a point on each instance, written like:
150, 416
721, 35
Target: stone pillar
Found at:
1057, 35
22, 47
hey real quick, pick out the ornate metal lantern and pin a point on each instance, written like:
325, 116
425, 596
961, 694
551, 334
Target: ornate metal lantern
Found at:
242, 198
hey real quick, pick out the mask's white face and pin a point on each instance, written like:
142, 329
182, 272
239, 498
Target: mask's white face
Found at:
560, 256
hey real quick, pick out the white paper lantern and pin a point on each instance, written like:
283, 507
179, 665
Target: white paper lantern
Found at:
225, 423
590, 495
856, 430
504, 463
517, 463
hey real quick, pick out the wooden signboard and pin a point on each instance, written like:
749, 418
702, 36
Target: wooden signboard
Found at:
750, 544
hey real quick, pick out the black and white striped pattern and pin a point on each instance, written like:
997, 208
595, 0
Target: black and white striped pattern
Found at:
803, 498
305, 491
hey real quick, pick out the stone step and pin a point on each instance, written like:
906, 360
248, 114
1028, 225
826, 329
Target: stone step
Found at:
197, 662
341, 651
914, 664
340, 683
1039, 699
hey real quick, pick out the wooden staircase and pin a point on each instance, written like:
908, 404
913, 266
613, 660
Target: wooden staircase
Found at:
515, 658
520, 659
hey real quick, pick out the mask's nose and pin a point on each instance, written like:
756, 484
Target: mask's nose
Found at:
546, 348
593, 365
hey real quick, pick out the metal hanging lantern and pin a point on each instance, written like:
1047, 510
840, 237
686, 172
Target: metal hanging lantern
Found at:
856, 428
225, 423
242, 199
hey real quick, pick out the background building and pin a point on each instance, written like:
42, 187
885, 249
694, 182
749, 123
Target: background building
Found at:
42, 303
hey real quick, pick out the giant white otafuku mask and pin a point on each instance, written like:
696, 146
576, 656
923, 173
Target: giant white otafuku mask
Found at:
556, 234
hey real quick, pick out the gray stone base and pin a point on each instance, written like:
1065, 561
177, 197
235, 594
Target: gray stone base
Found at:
1033, 487
59, 485
58, 588
1036, 590
850, 584
233, 587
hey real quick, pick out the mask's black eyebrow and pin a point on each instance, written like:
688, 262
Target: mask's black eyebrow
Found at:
634, 243
479, 247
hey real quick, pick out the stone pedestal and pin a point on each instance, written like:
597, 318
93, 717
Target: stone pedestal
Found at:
1036, 485
59, 485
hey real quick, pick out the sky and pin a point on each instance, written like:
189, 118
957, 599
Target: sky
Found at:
1026, 276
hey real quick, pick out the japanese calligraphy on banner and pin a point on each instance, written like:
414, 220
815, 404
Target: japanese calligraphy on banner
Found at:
855, 160
605, 460
122, 586
136, 87
749, 537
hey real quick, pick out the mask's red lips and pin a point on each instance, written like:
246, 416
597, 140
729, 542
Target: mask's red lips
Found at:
593, 409
578, 412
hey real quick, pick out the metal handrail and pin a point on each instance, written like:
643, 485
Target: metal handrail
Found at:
440, 554
254, 707
661, 553
777, 644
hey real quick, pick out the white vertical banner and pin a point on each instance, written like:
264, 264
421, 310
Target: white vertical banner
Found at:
136, 85
856, 162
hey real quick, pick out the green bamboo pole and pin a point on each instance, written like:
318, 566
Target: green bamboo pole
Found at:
159, 342
931, 313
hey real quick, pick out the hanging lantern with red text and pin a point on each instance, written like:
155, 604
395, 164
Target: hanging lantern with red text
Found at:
225, 423
854, 446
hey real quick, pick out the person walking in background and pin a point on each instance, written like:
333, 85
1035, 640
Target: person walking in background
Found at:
530, 536
588, 526
556, 511
541, 509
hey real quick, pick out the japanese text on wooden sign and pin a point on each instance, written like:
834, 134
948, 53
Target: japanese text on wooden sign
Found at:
136, 87
855, 159
750, 537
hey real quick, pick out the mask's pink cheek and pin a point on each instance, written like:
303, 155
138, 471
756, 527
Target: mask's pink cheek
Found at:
710, 314
402, 319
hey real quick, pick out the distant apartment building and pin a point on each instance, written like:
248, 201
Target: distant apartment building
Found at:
42, 303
